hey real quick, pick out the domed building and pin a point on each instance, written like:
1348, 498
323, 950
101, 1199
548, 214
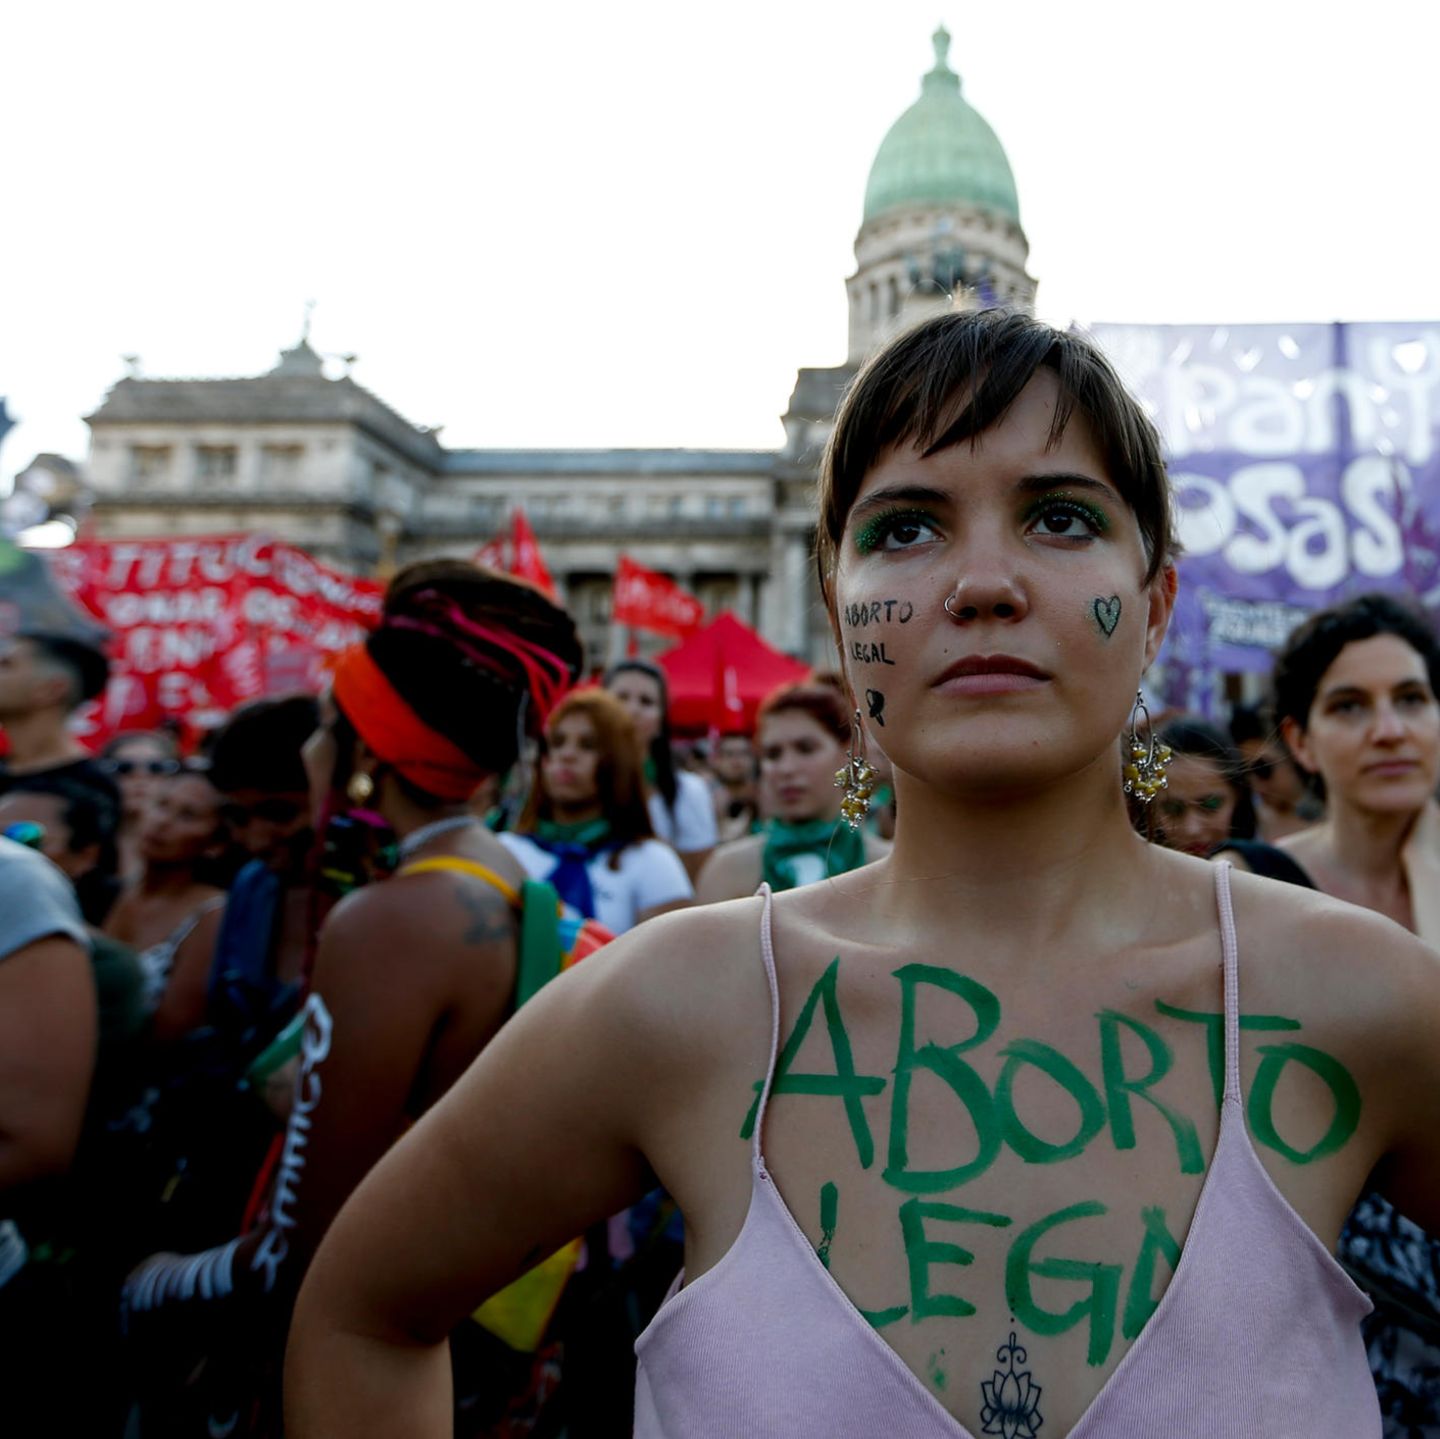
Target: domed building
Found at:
315, 459
941, 216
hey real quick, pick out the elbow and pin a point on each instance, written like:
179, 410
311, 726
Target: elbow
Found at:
27, 1159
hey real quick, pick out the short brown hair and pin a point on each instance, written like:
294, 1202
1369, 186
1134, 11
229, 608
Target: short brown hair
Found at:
823, 702
619, 773
953, 377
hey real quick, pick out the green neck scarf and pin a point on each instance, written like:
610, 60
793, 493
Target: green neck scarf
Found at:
590, 833
797, 854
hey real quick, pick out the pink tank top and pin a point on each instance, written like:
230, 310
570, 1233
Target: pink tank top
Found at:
767, 1344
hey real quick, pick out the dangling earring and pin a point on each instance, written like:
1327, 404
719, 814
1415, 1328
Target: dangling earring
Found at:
360, 787
857, 779
1149, 758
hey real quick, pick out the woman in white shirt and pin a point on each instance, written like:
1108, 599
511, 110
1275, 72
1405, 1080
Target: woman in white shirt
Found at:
587, 829
682, 812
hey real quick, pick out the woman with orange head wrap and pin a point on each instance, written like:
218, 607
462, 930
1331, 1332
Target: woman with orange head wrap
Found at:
410, 978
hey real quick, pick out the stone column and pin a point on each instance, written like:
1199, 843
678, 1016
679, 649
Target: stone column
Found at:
794, 631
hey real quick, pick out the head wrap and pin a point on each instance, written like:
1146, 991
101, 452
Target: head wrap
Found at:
414, 749
397, 734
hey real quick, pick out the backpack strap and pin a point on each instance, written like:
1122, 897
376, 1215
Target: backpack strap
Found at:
245, 945
456, 865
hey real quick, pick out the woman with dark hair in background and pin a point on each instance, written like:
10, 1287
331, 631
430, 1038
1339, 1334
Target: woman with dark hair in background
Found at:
1355, 695
179, 845
586, 829
1206, 801
413, 976
681, 810
135, 760
804, 733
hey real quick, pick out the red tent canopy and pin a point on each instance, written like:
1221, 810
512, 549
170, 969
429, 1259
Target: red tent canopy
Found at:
721, 673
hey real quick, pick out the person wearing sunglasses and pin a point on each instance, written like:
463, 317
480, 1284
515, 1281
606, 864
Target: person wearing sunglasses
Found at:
1284, 804
135, 759
76, 811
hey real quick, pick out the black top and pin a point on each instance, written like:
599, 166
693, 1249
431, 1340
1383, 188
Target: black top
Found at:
1266, 859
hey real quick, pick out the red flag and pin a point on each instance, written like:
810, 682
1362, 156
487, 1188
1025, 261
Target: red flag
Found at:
649, 601
492, 555
526, 561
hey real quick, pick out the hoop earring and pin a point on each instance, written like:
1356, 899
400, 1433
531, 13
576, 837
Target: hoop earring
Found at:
1149, 758
360, 787
857, 779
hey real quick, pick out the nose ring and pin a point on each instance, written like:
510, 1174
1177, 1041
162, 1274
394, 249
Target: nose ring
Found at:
948, 610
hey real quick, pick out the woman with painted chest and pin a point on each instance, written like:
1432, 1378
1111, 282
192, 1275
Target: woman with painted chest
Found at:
1029, 1129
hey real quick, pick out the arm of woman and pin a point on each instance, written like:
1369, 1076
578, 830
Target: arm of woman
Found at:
1409, 1174
368, 1031
370, 1024
662, 881
47, 1056
537, 1141
696, 830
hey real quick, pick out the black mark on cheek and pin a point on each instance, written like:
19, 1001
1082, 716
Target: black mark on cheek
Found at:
876, 701
1107, 614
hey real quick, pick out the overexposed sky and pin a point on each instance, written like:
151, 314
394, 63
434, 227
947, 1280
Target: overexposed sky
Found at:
573, 224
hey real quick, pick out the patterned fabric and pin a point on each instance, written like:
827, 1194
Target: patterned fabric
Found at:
1398, 1263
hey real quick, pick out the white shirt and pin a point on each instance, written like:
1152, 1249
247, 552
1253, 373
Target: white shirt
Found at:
691, 825
648, 874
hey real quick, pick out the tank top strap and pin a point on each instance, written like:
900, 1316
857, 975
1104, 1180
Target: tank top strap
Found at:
767, 951
1230, 948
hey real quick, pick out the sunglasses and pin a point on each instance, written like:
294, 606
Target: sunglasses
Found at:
272, 811
155, 767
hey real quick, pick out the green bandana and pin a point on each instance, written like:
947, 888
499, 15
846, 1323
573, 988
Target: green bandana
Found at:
591, 833
797, 854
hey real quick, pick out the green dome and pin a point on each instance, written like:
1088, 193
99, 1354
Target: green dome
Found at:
940, 152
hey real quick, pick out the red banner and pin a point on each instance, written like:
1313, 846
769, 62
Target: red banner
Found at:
526, 561
201, 625
650, 601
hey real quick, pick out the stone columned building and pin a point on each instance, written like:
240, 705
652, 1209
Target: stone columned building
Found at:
321, 462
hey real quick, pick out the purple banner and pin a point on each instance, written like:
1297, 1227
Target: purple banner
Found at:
1305, 461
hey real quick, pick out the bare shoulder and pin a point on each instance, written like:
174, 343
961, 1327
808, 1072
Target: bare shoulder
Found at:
683, 989
1352, 972
415, 915
732, 871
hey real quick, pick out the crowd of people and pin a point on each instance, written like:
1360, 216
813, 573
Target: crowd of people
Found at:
296, 1008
